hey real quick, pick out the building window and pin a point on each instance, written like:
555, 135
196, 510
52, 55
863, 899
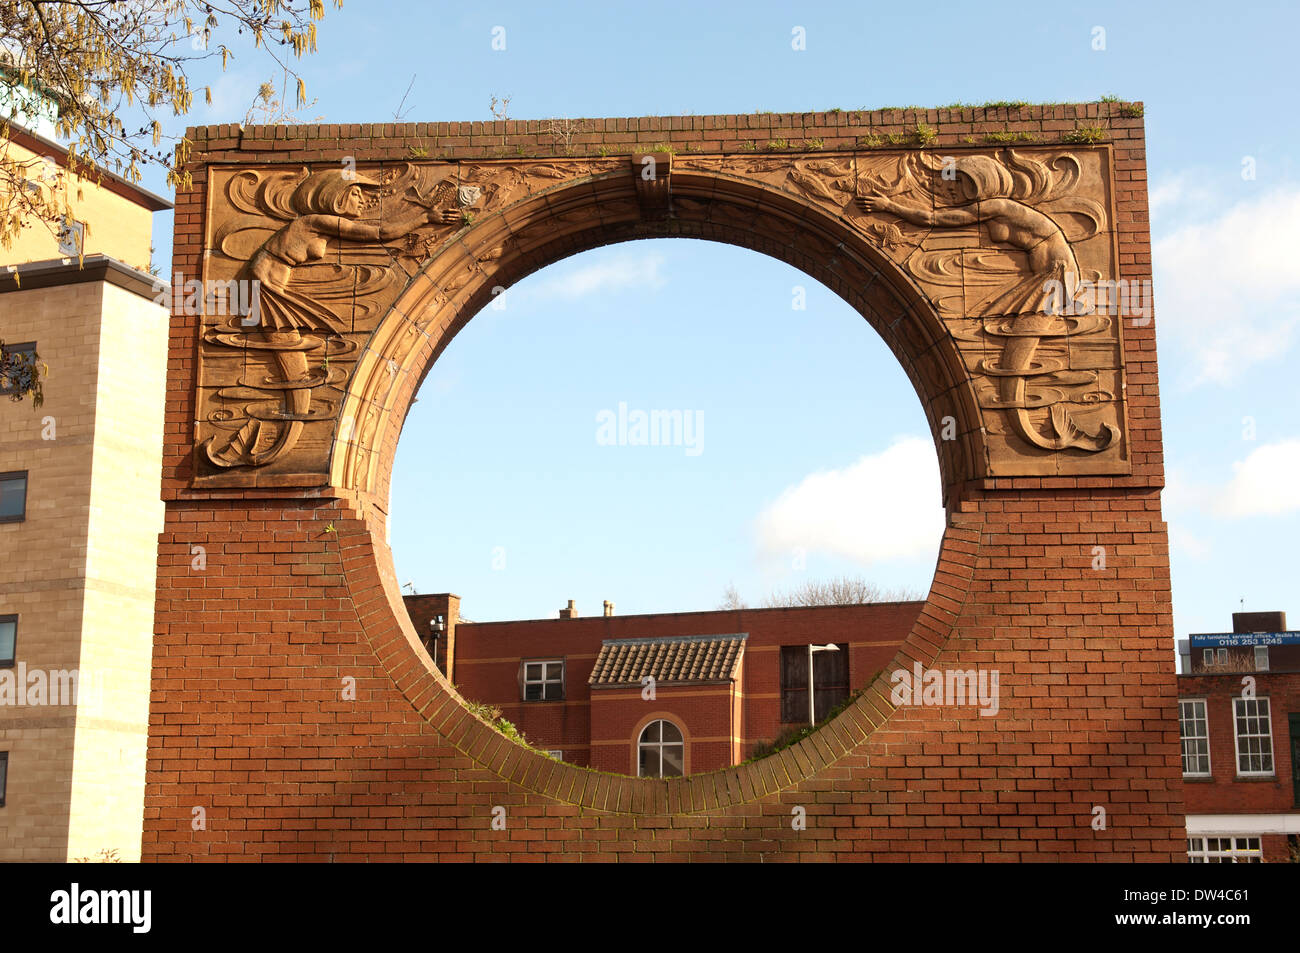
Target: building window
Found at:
8, 639
1223, 656
830, 681
661, 751
1254, 736
1261, 658
72, 237
19, 360
4, 775
1207, 657
543, 681
13, 496
1194, 727
1224, 850
556, 754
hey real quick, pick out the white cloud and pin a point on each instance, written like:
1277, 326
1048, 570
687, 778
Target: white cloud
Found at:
621, 272
1185, 543
1266, 483
886, 506
1263, 484
1226, 288
1184, 498
1174, 193
1184, 493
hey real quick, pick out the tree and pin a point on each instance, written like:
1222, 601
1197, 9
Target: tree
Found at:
100, 60
731, 598
844, 591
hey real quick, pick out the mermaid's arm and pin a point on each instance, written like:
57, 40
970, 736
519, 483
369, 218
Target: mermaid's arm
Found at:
337, 226
957, 217
942, 218
407, 223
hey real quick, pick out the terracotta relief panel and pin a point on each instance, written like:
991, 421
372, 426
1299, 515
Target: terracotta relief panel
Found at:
1015, 251
302, 265
1012, 249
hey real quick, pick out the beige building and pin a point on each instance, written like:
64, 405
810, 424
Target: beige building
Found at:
79, 522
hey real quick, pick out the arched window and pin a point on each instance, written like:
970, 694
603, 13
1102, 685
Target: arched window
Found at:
661, 751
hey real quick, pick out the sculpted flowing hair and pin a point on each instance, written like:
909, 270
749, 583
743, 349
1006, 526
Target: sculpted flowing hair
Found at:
326, 192
991, 179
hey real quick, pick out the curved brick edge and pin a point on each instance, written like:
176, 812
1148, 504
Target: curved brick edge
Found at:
368, 569
565, 219
420, 324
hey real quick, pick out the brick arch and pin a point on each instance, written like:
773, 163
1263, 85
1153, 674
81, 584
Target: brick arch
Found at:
246, 714
424, 320
499, 250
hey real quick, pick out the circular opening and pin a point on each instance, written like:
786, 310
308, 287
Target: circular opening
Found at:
687, 439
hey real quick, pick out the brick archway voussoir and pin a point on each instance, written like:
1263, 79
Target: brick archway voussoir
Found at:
508, 245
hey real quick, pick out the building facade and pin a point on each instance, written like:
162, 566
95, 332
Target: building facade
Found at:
605, 691
1239, 719
79, 521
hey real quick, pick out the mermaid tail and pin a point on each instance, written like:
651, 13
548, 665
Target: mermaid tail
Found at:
277, 437
1017, 364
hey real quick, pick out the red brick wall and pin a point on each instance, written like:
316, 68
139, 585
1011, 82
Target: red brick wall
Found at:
294, 717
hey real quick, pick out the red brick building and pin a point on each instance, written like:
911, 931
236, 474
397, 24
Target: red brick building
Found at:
594, 691
1239, 718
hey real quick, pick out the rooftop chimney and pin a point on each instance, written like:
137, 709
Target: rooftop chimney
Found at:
609, 608
1243, 622
570, 612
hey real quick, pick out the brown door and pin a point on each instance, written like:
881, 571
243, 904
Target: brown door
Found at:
830, 682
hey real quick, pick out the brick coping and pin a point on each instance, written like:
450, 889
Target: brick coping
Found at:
1123, 113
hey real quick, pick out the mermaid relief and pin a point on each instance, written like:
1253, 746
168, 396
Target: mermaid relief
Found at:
982, 191
287, 322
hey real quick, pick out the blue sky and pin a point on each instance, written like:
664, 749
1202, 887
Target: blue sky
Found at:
799, 410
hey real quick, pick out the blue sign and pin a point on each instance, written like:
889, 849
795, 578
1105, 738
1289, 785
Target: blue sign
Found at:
1227, 640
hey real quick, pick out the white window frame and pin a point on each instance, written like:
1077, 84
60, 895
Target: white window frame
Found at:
1223, 656
1238, 702
1238, 851
660, 745
542, 679
1207, 656
556, 753
1261, 658
1203, 717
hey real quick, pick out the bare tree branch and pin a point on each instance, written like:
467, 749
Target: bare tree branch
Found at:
398, 114
844, 591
